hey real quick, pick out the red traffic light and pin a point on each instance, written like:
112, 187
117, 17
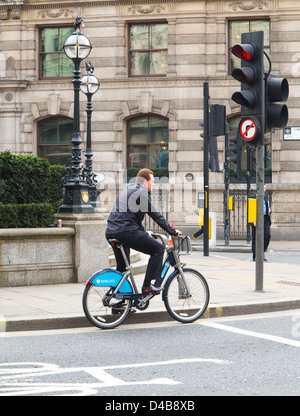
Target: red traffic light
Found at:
245, 51
251, 95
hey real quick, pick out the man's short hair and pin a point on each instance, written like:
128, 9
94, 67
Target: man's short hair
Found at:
143, 174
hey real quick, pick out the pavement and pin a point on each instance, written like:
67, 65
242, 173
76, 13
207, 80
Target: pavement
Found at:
231, 282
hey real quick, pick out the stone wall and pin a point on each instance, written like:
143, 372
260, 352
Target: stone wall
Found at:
39, 256
31, 256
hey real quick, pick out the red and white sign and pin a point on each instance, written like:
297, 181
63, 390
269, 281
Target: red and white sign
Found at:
248, 129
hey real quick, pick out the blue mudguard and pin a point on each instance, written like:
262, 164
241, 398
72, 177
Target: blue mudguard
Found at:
109, 277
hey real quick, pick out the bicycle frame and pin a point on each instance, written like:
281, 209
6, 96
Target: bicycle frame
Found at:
124, 283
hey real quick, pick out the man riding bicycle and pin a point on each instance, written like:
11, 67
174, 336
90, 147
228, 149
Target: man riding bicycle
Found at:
125, 224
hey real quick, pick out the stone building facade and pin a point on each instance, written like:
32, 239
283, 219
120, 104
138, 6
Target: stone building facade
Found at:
192, 45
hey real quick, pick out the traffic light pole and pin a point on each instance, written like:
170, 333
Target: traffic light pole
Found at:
205, 168
226, 191
248, 189
260, 218
259, 243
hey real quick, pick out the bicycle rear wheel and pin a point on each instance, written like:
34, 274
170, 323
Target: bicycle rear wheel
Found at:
180, 306
95, 305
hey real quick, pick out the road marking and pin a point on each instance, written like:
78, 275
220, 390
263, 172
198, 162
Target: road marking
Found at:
11, 383
239, 331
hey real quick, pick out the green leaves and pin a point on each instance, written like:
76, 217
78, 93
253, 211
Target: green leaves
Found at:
30, 191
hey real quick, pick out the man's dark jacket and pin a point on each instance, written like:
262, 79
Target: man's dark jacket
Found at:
129, 211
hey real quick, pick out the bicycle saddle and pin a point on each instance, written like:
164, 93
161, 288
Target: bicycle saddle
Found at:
114, 242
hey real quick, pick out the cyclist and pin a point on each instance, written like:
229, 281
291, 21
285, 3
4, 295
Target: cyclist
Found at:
125, 224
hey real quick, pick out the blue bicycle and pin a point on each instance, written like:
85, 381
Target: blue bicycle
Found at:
109, 295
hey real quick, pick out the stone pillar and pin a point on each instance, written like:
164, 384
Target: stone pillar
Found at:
90, 247
10, 115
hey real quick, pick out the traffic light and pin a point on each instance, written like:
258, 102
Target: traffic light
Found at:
251, 97
216, 127
213, 163
277, 90
217, 120
235, 154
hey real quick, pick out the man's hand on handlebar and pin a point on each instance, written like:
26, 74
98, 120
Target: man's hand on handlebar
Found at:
178, 234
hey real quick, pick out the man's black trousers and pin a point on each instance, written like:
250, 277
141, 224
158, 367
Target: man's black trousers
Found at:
140, 241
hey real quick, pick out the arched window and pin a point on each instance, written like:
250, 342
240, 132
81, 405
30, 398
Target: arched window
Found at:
147, 145
54, 140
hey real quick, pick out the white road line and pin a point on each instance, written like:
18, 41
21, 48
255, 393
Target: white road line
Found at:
10, 387
274, 338
179, 361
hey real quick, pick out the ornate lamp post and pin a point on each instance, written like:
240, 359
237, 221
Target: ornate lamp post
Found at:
76, 199
89, 85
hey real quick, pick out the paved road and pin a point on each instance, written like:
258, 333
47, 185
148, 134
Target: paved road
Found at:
243, 355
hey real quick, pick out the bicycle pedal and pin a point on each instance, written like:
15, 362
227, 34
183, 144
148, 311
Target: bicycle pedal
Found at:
116, 311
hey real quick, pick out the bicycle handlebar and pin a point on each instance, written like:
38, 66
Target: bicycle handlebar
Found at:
162, 237
183, 246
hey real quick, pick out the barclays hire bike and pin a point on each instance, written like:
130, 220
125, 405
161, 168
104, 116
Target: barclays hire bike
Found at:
109, 295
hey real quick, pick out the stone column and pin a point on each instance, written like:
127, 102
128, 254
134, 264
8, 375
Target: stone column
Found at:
10, 115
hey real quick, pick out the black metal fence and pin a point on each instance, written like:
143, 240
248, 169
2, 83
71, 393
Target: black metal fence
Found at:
160, 199
238, 216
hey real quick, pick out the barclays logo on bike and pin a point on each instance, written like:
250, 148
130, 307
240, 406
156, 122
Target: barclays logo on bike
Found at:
106, 281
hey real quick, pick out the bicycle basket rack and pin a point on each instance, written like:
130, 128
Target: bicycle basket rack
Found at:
184, 245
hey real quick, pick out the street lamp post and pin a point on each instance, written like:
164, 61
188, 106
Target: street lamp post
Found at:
89, 86
76, 198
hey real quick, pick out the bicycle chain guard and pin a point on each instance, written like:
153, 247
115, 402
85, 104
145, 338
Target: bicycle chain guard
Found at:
141, 304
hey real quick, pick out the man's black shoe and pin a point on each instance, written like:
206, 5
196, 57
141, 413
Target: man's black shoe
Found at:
151, 290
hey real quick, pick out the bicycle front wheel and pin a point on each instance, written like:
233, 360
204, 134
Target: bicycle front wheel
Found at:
95, 305
182, 306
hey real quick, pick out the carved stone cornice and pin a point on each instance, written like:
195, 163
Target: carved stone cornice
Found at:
54, 14
248, 6
9, 12
146, 10
11, 9
90, 3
